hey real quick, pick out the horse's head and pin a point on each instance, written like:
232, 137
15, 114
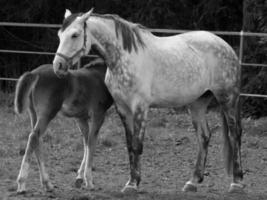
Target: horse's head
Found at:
74, 41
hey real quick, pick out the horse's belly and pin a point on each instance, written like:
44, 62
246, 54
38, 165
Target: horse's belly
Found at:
178, 84
176, 97
74, 109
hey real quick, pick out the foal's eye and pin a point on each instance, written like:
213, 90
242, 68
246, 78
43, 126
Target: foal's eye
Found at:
75, 35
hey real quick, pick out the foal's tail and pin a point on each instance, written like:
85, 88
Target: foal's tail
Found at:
23, 90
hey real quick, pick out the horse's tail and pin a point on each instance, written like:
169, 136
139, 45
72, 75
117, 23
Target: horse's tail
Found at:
24, 87
227, 148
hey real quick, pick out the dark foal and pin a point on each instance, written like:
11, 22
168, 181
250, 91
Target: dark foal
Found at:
82, 94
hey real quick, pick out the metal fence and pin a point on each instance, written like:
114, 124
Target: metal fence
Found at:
240, 34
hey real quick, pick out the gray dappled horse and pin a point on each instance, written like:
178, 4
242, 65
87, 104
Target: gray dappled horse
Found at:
149, 71
81, 94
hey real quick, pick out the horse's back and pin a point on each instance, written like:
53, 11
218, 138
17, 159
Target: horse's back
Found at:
207, 41
49, 91
190, 64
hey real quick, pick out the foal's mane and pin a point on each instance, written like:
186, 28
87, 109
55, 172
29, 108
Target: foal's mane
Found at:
130, 32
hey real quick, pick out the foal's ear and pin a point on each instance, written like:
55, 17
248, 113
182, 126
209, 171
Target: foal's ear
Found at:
67, 13
86, 15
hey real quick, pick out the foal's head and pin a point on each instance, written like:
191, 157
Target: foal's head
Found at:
74, 41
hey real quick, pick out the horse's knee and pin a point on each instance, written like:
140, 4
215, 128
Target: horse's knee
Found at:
205, 139
34, 139
137, 146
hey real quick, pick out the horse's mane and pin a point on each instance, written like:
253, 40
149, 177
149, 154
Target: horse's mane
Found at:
67, 21
130, 32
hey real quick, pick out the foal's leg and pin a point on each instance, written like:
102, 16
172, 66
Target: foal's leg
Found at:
97, 121
33, 146
134, 129
84, 129
231, 110
198, 113
32, 113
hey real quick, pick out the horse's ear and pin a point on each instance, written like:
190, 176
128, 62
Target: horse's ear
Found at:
67, 13
86, 15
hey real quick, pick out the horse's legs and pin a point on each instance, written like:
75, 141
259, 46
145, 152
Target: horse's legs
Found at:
97, 121
84, 129
231, 116
32, 112
33, 146
198, 112
134, 129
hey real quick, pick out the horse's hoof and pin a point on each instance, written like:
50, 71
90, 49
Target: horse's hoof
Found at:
189, 187
49, 187
78, 182
21, 192
89, 185
129, 189
236, 188
21, 188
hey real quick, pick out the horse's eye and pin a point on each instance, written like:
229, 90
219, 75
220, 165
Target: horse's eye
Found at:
75, 35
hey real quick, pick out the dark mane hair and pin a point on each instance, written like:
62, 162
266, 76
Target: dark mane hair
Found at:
130, 32
67, 21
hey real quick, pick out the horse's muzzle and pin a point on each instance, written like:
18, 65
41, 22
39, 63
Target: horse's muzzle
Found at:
60, 68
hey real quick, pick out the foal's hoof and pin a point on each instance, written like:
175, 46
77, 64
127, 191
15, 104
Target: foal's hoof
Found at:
21, 192
21, 188
78, 182
189, 187
48, 187
129, 189
237, 188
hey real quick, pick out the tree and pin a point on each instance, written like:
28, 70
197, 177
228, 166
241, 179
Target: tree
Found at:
255, 51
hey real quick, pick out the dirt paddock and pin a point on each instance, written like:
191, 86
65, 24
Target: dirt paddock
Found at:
170, 150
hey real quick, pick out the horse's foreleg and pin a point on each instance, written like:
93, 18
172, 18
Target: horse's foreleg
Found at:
84, 129
33, 146
79, 178
97, 121
198, 112
135, 129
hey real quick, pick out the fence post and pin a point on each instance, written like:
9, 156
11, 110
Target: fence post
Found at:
241, 47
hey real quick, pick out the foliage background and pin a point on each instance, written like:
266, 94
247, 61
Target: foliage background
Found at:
219, 15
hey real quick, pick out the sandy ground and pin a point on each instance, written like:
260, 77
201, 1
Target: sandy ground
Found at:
170, 150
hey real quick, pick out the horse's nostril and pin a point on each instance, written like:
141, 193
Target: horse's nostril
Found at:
60, 66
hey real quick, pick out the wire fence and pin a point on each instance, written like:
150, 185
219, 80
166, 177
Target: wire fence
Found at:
241, 34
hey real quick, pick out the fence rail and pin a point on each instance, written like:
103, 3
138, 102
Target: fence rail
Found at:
241, 34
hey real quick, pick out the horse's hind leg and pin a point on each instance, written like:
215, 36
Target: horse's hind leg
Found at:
198, 112
233, 132
33, 145
32, 112
44, 178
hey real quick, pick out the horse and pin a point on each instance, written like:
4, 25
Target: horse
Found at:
82, 94
146, 71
